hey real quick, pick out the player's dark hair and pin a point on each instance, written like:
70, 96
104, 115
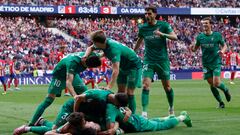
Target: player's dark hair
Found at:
98, 36
93, 61
208, 19
122, 99
153, 8
76, 119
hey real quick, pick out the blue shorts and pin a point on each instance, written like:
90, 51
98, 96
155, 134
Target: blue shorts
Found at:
233, 68
3, 79
13, 76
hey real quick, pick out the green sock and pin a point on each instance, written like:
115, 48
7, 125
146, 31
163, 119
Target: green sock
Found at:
170, 97
47, 123
132, 103
40, 129
222, 87
216, 94
167, 124
145, 99
40, 109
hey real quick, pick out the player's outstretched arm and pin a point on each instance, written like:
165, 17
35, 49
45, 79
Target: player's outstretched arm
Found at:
223, 49
115, 67
89, 50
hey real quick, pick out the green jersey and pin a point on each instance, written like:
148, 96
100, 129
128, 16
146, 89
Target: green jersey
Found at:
138, 123
94, 111
97, 94
155, 46
117, 52
69, 64
114, 114
210, 48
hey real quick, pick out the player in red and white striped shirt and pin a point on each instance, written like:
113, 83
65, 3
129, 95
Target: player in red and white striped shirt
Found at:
2, 76
234, 58
12, 74
103, 70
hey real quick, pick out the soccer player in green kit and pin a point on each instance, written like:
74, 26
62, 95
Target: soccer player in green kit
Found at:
135, 123
155, 33
126, 65
66, 75
93, 105
213, 48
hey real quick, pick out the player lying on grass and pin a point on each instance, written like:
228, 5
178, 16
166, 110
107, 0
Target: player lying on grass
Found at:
94, 108
136, 123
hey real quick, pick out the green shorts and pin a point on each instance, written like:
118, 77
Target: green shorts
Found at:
57, 85
131, 78
161, 68
64, 113
210, 71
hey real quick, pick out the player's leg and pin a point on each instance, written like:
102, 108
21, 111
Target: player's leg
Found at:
15, 82
208, 75
217, 83
42, 107
163, 71
64, 112
43, 128
122, 82
232, 74
148, 74
10, 81
55, 88
3, 81
133, 80
106, 77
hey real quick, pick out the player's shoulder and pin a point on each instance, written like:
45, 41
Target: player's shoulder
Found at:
216, 33
143, 26
200, 35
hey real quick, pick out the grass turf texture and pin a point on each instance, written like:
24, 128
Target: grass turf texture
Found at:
17, 108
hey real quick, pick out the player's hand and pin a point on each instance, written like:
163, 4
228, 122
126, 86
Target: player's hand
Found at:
221, 53
76, 97
127, 115
84, 58
157, 32
192, 48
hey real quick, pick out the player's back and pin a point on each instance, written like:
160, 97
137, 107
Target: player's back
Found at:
128, 58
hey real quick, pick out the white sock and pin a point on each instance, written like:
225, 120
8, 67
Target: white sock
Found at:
181, 118
27, 128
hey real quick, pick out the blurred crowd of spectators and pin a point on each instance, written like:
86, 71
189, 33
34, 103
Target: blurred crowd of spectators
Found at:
36, 47
125, 30
32, 44
129, 3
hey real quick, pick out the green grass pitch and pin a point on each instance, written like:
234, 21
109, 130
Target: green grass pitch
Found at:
17, 107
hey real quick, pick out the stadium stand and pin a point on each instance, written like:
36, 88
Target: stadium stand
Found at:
129, 3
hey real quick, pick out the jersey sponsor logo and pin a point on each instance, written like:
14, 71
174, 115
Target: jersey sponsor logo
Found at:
152, 37
207, 45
